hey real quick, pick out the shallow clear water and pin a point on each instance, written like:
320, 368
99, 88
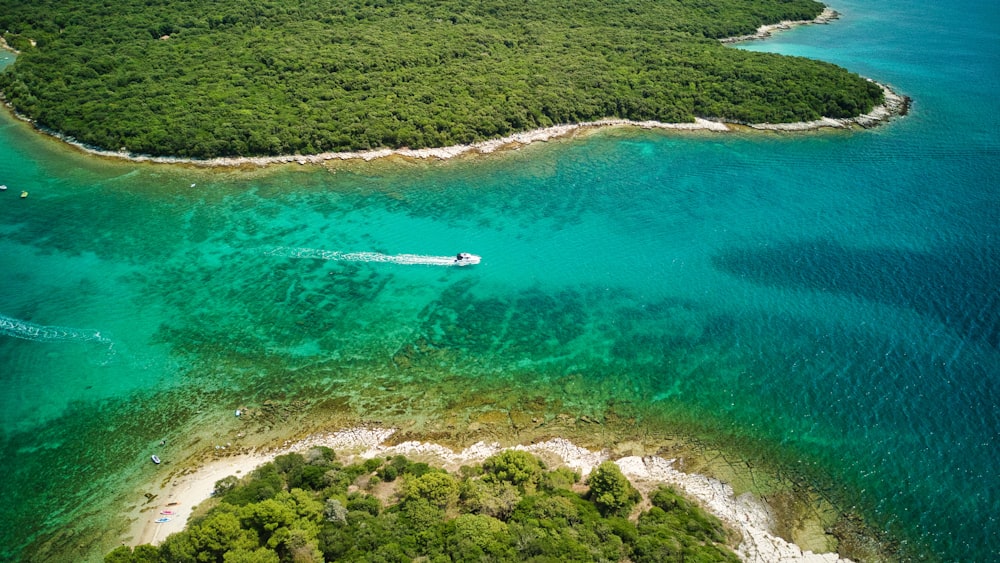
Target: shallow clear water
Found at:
830, 298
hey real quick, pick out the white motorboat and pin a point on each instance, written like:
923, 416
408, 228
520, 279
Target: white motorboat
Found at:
466, 259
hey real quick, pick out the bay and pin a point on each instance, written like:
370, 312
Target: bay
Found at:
827, 300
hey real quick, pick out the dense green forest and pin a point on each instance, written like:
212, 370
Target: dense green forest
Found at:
201, 78
311, 508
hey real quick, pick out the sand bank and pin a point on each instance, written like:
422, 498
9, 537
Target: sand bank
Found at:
745, 513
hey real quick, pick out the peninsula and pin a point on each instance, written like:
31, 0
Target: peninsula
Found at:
506, 494
205, 80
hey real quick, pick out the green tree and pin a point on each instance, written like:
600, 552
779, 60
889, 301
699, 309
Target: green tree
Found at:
491, 499
478, 537
221, 531
438, 488
516, 467
260, 555
141, 554
610, 491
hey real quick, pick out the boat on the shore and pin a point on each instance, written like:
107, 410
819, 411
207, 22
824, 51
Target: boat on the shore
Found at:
466, 259
155, 459
162, 520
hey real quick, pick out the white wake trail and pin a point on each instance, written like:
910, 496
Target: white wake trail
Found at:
17, 328
320, 254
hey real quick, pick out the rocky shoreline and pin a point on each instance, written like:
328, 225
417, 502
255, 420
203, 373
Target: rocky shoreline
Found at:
6, 47
748, 514
895, 105
763, 32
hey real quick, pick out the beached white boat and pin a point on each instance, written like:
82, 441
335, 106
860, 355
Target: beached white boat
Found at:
466, 259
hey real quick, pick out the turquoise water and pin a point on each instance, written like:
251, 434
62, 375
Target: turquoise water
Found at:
831, 299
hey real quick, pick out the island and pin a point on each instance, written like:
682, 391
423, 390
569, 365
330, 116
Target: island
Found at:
198, 79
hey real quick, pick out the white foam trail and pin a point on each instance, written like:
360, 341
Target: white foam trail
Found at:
321, 254
40, 333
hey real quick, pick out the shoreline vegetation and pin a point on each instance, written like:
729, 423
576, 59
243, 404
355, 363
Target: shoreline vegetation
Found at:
736, 84
183, 493
894, 106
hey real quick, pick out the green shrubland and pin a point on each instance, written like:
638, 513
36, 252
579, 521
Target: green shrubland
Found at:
509, 509
247, 77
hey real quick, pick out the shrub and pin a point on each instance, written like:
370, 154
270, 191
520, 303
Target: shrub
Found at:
678, 512
387, 473
370, 465
366, 503
334, 511
224, 485
561, 478
312, 477
289, 462
320, 455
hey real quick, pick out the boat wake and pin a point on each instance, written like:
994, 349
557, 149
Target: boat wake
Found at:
408, 259
40, 333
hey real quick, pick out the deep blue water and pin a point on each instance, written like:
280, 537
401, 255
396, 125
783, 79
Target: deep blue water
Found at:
830, 297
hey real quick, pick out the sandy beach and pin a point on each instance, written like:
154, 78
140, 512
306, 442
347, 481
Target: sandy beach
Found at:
750, 516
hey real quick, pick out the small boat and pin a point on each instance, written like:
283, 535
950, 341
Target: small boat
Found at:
155, 459
168, 512
24, 195
162, 520
466, 259
172, 503
3, 188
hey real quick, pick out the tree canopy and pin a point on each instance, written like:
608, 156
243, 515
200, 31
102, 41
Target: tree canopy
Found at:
201, 78
426, 514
